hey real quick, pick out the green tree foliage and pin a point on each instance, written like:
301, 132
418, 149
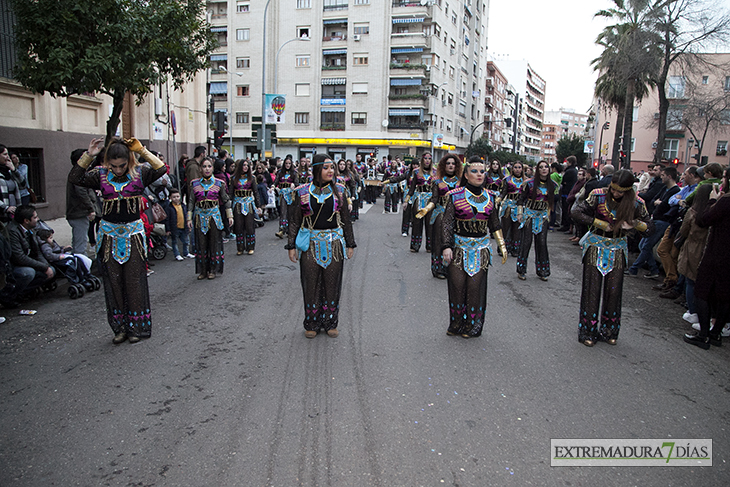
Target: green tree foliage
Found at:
479, 147
571, 146
113, 47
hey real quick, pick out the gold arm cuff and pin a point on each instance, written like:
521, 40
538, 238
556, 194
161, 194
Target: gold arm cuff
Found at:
190, 216
500, 240
430, 206
154, 161
229, 213
85, 160
600, 224
641, 227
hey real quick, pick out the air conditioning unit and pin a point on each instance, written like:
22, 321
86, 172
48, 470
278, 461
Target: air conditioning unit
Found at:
356, 37
428, 67
654, 145
158, 107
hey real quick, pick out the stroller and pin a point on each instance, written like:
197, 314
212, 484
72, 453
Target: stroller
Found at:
79, 278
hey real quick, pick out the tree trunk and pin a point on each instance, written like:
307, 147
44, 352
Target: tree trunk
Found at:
628, 123
113, 122
616, 146
663, 102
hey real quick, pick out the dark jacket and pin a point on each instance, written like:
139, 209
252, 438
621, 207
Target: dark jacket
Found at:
26, 251
570, 177
662, 210
654, 192
171, 221
80, 201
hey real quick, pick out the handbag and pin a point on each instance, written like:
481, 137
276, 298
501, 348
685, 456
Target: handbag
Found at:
158, 213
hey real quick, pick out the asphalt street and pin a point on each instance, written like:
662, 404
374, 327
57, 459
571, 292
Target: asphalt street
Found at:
228, 392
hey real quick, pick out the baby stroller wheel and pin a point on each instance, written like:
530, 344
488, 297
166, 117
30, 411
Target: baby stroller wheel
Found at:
159, 253
73, 292
88, 285
97, 282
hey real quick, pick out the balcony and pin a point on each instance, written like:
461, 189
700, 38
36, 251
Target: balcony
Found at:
332, 127
417, 100
335, 5
410, 39
409, 69
334, 38
413, 7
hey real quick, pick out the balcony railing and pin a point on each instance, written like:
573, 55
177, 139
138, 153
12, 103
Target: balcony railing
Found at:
333, 68
332, 127
334, 38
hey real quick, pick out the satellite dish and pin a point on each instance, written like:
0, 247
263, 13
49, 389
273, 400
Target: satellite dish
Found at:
424, 2
385, 124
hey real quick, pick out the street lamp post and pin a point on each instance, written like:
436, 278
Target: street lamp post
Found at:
471, 136
262, 133
230, 108
605, 126
276, 63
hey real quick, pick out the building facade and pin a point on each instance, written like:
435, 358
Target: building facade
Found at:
352, 84
699, 99
496, 107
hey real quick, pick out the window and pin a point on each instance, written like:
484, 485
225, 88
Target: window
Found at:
301, 118
671, 148
242, 7
242, 90
359, 88
360, 59
705, 80
359, 118
361, 29
243, 34
451, 99
335, 4
437, 31
304, 3
451, 72
676, 87
633, 144
333, 120
303, 31
725, 117
674, 118
301, 89
721, 148
727, 83
243, 62
453, 18
361, 2
448, 125
302, 62
242, 117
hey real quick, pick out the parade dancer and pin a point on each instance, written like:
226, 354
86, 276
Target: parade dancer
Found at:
494, 177
121, 248
356, 203
469, 217
610, 213
419, 195
321, 207
246, 204
286, 180
533, 209
508, 208
207, 195
391, 189
447, 177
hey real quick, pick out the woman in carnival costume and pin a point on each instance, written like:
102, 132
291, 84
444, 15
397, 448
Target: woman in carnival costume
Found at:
418, 196
120, 247
345, 179
508, 208
610, 213
533, 211
321, 207
391, 189
469, 217
448, 173
207, 196
286, 180
494, 177
246, 204
353, 174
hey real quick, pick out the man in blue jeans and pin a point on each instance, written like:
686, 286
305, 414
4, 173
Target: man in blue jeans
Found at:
30, 268
661, 218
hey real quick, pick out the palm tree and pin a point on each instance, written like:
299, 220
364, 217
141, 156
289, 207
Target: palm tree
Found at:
630, 55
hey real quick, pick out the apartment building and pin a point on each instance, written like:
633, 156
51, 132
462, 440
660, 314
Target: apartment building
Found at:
495, 106
531, 88
551, 134
44, 130
697, 93
562, 123
353, 83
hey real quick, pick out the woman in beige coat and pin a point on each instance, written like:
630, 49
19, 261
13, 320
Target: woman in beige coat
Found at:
691, 252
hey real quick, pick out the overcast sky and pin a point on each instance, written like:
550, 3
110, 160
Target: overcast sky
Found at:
557, 38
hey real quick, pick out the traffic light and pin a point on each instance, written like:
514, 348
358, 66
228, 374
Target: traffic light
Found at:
218, 137
675, 161
595, 163
696, 157
221, 121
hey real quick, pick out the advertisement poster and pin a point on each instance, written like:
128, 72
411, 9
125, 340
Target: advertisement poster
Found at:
275, 105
